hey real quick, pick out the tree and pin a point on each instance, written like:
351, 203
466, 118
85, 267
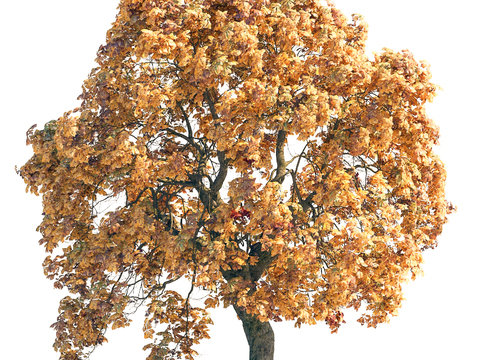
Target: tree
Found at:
185, 127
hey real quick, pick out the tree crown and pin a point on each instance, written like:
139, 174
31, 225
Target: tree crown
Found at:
188, 126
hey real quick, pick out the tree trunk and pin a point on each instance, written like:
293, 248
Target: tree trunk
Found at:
259, 334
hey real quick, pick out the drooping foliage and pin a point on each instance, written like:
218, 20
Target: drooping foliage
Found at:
250, 147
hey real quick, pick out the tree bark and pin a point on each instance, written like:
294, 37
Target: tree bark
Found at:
260, 336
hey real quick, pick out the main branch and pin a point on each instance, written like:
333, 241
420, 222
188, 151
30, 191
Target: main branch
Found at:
280, 154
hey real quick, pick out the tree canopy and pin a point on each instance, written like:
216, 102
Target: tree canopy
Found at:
249, 147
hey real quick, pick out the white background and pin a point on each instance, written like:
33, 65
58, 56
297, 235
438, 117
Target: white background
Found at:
47, 50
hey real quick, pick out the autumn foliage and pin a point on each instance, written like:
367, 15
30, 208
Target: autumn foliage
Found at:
249, 147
